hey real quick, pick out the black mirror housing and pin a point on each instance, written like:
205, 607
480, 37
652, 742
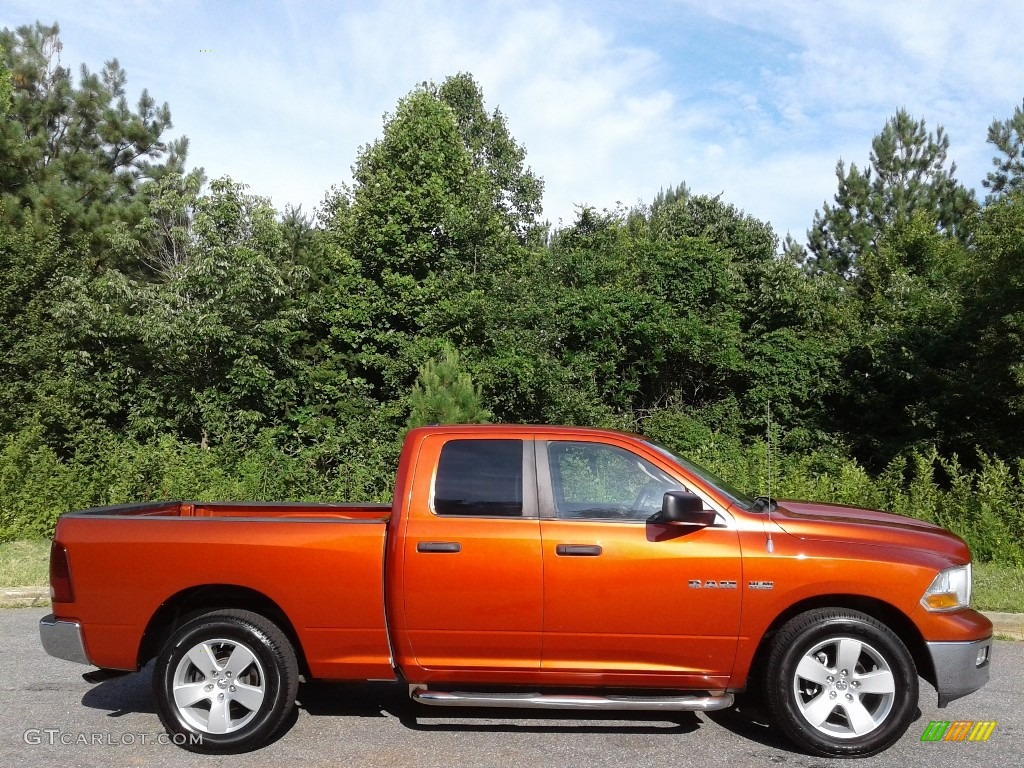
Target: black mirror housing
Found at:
683, 508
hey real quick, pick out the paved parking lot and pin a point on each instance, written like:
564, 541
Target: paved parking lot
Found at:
50, 716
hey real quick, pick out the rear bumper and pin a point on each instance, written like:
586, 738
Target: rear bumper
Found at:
958, 670
63, 639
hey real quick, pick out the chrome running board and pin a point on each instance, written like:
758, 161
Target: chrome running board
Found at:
703, 702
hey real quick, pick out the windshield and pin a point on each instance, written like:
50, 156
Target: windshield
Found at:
735, 495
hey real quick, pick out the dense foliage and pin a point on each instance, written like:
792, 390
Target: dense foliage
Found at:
162, 336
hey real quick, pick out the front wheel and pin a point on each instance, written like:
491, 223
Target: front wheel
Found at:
841, 684
225, 682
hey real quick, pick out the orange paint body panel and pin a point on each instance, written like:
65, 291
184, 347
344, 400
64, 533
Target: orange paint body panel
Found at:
324, 574
471, 615
632, 611
550, 588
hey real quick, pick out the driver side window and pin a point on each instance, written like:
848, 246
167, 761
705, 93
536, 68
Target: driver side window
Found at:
598, 481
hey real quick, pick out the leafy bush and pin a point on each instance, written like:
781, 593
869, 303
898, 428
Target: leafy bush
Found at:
980, 505
36, 485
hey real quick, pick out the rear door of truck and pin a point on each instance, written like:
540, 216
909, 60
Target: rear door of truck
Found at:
471, 577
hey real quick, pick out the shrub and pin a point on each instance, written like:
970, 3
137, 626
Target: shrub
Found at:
36, 485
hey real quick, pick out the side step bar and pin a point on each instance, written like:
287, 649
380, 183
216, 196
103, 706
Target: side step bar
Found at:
704, 702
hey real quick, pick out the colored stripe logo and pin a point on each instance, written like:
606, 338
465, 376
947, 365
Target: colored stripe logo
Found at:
958, 730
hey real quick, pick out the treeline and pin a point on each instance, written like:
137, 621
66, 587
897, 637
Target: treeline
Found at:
164, 335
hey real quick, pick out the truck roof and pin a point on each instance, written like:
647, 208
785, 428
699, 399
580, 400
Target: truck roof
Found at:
521, 429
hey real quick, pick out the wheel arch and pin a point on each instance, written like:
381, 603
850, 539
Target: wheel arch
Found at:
886, 613
195, 601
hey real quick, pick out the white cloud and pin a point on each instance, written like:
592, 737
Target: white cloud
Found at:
290, 93
586, 109
750, 99
849, 67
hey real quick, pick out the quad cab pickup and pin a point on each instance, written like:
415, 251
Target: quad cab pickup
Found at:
525, 567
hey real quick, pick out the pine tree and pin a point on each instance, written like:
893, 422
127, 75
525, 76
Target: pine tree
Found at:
76, 154
1008, 138
445, 394
668, 196
907, 176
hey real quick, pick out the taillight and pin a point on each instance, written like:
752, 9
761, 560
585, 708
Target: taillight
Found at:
60, 575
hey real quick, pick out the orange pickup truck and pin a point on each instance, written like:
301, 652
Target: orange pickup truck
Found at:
533, 567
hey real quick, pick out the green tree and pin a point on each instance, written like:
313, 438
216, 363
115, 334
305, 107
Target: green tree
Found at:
6, 88
77, 154
203, 352
765, 330
219, 327
901, 237
34, 264
680, 306
415, 202
436, 212
902, 368
445, 394
76, 229
667, 196
907, 176
990, 383
1008, 137
514, 192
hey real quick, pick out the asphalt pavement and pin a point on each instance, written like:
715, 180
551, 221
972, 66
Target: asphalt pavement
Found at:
51, 716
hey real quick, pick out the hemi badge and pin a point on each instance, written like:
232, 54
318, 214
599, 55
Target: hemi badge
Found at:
761, 584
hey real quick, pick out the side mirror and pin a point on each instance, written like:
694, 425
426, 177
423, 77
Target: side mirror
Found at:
683, 508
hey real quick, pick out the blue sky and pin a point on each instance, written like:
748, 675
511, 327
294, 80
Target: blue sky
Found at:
749, 99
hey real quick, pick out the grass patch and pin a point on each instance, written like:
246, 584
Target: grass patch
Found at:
24, 563
998, 588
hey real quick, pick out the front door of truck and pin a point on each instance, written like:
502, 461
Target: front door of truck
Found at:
472, 559
631, 601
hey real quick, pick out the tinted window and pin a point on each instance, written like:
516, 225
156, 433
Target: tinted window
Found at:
480, 477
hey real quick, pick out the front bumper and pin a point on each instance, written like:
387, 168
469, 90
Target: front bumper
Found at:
958, 670
63, 639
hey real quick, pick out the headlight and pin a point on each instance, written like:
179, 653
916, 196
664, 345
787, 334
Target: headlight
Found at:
950, 590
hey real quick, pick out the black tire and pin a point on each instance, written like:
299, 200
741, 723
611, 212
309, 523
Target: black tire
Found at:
236, 675
872, 704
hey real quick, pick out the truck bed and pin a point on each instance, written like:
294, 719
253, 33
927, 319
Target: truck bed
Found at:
321, 565
246, 510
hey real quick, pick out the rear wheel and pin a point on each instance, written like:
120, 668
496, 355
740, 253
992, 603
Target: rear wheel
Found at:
225, 682
841, 684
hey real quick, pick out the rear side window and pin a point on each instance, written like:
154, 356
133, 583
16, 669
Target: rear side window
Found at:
480, 477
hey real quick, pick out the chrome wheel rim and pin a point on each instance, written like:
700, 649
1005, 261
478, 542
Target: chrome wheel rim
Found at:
844, 688
219, 686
